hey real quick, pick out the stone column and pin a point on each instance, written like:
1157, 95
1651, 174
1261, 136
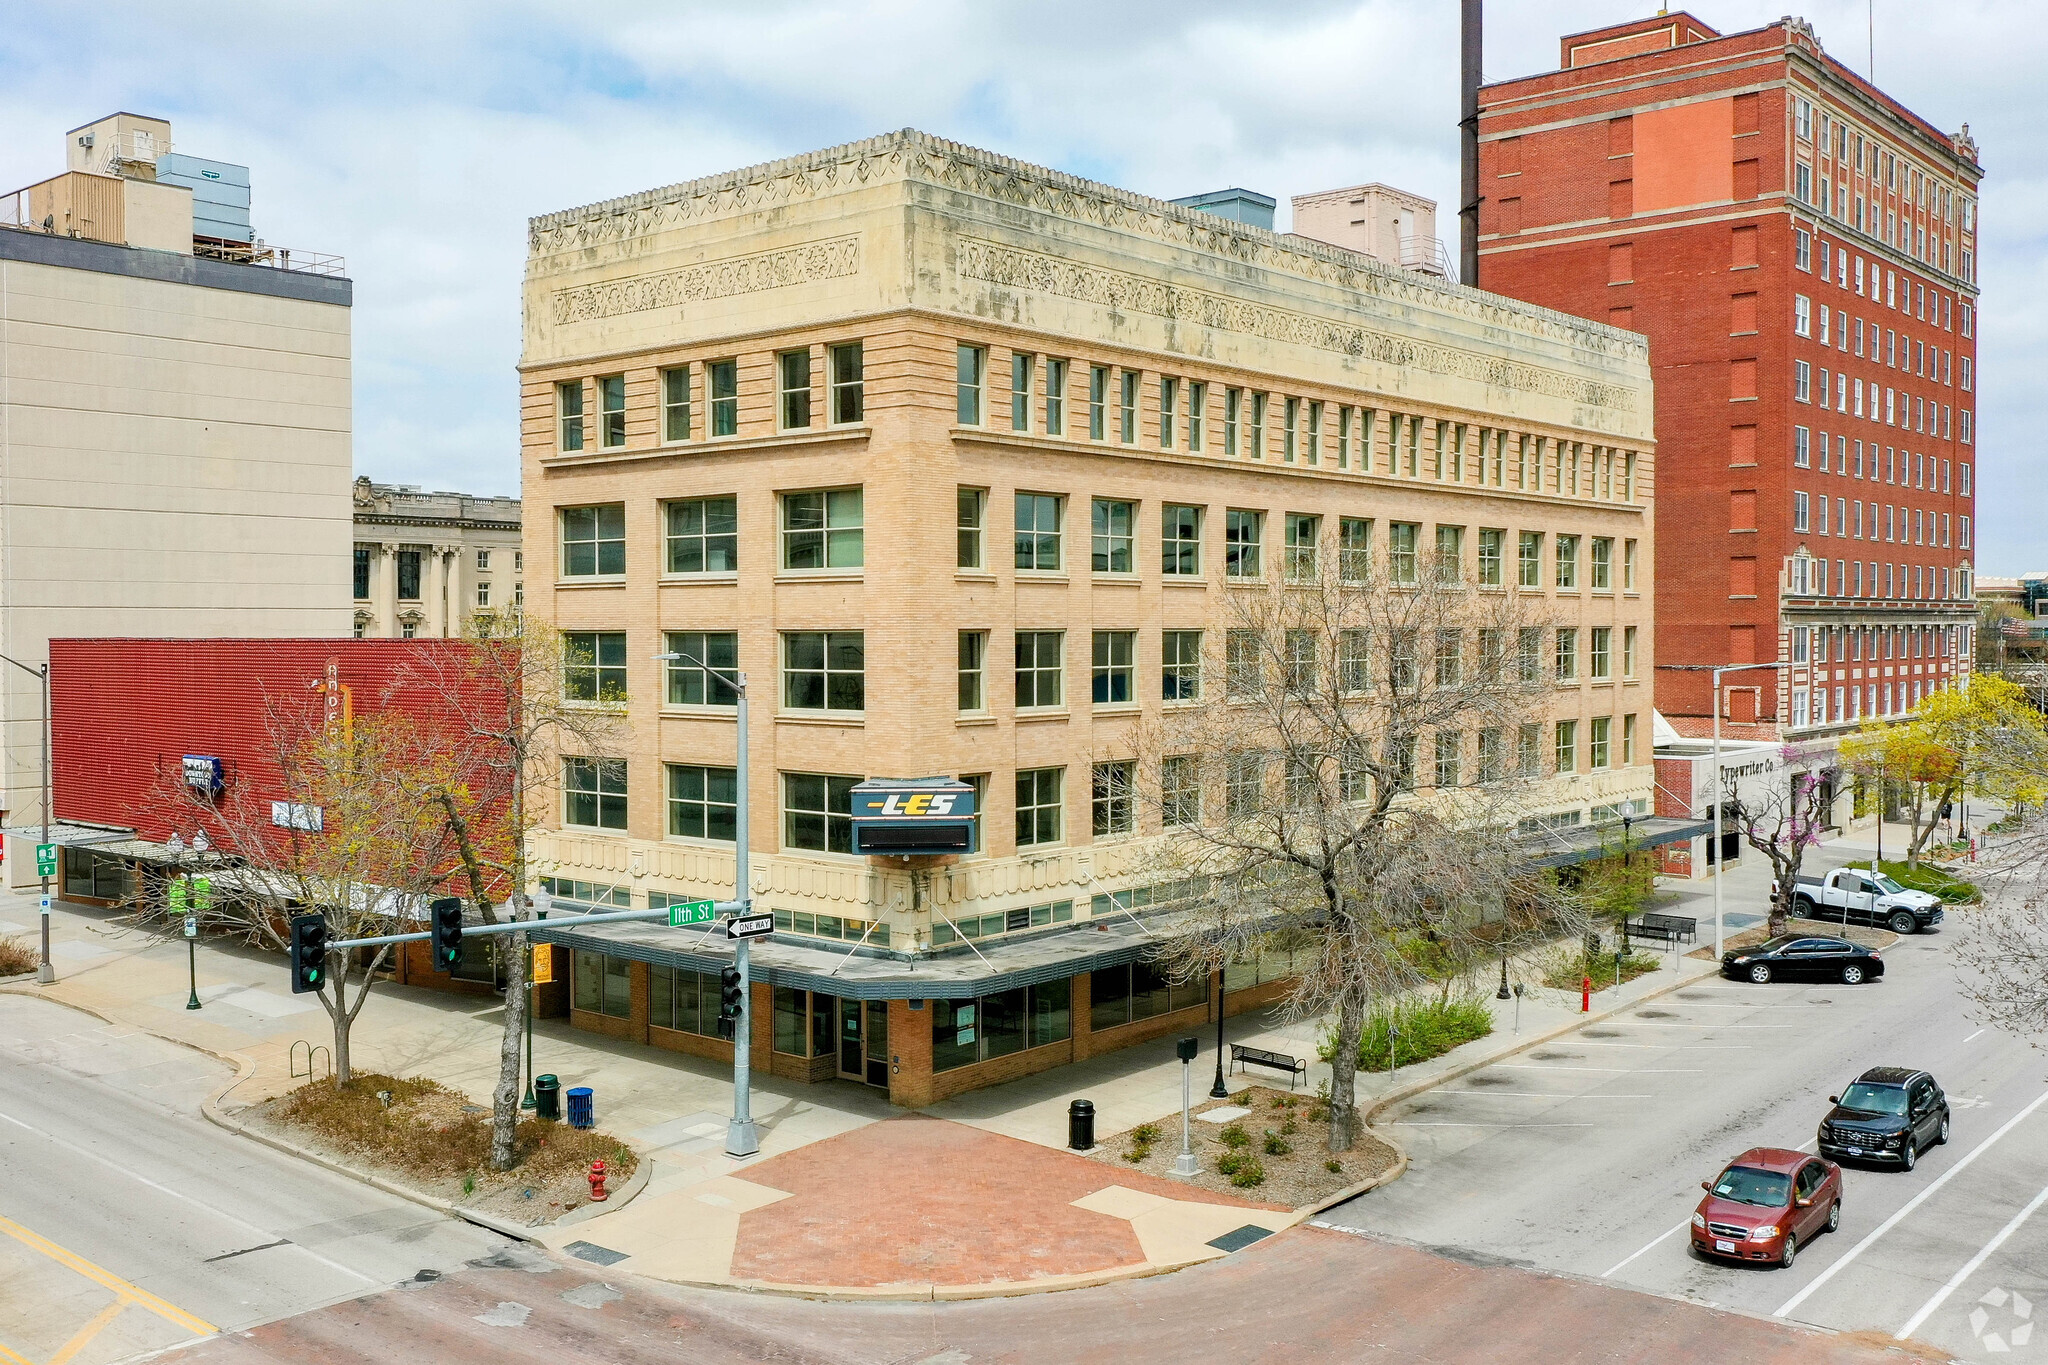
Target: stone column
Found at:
458, 588
385, 591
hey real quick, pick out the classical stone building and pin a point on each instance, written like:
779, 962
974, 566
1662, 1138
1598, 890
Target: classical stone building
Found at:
954, 456
174, 417
426, 563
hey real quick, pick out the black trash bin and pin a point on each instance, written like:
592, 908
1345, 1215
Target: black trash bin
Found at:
547, 1098
1081, 1125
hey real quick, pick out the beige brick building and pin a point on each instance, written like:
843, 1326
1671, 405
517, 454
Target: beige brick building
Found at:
954, 456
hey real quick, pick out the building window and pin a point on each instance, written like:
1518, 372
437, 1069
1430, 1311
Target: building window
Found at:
1401, 538
1180, 653
1529, 559
703, 803
1290, 420
1567, 748
408, 630
1628, 739
408, 575
569, 412
1490, 546
824, 670
603, 984
971, 505
817, 812
1802, 315
483, 594
1603, 564
700, 677
675, 404
1354, 549
1596, 741
1598, 657
973, 670
968, 1031
1255, 439
362, 628
1180, 541
703, 535
1449, 748
1354, 661
1021, 367
1303, 531
1802, 382
1241, 536
593, 544
594, 665
1233, 399
1528, 739
1038, 531
1169, 397
483, 560
849, 398
793, 389
1567, 654
1098, 402
723, 379
1628, 651
1038, 806
683, 1001
1110, 801
1180, 791
1056, 398
611, 404
1039, 665
1567, 562
1111, 551
1198, 400
362, 570
1450, 658
1243, 665
1127, 408
1113, 671
1628, 566
594, 792
822, 530
970, 384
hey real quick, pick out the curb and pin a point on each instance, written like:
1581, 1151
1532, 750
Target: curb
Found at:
1386, 1177
643, 1170
941, 1293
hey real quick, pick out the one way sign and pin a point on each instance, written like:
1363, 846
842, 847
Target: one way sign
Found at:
750, 926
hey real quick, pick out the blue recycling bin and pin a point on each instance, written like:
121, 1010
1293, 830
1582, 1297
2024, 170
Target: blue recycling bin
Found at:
582, 1107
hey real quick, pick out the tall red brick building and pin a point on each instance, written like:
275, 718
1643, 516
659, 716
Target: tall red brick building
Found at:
1801, 251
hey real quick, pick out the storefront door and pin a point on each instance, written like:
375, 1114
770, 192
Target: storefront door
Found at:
864, 1041
878, 1043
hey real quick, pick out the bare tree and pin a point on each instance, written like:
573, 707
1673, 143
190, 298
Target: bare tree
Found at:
1785, 819
518, 703
1352, 786
356, 839
2003, 954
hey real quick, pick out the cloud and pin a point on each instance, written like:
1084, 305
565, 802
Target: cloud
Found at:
417, 139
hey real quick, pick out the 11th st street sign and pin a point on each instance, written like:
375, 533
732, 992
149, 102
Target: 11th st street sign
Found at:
681, 913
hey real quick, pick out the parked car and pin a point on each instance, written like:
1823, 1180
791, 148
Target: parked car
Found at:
1852, 896
1889, 1113
1802, 957
1765, 1204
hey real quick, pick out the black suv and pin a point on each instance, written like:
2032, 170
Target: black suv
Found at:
1889, 1113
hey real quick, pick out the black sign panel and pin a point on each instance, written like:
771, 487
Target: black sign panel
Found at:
750, 926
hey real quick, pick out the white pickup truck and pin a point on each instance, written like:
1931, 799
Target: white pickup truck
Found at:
1853, 896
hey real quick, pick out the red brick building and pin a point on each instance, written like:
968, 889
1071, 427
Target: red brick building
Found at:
1801, 251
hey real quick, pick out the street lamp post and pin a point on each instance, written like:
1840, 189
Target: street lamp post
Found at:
540, 902
1217, 1089
742, 1138
46, 972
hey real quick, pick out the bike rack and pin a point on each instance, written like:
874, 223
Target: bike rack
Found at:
311, 1053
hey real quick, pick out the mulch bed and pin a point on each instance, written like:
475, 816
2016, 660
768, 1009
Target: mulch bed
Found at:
1295, 1178
434, 1140
1749, 938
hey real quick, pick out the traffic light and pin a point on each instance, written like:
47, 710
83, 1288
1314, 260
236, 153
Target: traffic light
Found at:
447, 913
309, 953
730, 996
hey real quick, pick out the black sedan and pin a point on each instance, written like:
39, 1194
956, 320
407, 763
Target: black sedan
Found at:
1794, 957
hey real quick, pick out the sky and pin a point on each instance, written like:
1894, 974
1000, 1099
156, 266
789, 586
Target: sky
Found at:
416, 140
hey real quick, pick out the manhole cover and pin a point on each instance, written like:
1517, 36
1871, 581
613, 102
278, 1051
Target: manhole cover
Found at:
596, 1255
1240, 1238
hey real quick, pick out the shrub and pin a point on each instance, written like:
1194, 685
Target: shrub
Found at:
1137, 1153
1145, 1134
1234, 1135
1276, 1145
1426, 1029
1249, 1174
1280, 1101
1334, 1166
1288, 1128
17, 955
1231, 1162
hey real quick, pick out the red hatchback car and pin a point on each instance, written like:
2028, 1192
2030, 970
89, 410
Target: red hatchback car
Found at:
1765, 1204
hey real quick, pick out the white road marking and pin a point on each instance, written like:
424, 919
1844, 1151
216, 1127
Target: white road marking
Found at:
1609, 1274
1915, 1202
1541, 1095
1658, 1023
184, 1198
1971, 1266
1624, 1070
1689, 1047
1403, 1123
1975, 1036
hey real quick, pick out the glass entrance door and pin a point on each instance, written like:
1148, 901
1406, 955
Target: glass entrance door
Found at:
878, 1043
850, 1052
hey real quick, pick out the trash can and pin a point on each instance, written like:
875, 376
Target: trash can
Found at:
1081, 1125
547, 1098
582, 1107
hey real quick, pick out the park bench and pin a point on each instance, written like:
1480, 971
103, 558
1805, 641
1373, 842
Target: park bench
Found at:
1242, 1056
1665, 928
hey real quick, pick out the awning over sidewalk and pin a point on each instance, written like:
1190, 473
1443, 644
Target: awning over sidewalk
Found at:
66, 834
1580, 844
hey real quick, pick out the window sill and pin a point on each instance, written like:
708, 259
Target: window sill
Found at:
693, 841
973, 576
729, 577
612, 580
821, 575
1060, 713
568, 828
1119, 580
853, 719
1042, 576
980, 718
1118, 708
681, 711
670, 450
1182, 581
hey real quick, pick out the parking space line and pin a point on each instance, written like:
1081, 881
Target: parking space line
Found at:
1615, 1269
1975, 1036
1915, 1202
13, 1357
1971, 1266
106, 1279
1403, 1123
82, 1338
1541, 1095
1689, 1047
1624, 1070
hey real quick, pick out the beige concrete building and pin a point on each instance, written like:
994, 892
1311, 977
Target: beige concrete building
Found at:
954, 456
1379, 221
174, 425
426, 563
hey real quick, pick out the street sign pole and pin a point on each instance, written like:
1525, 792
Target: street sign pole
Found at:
741, 1137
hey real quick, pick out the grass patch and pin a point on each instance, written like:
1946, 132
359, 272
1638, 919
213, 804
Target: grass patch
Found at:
1567, 971
1417, 1030
430, 1131
17, 955
1938, 882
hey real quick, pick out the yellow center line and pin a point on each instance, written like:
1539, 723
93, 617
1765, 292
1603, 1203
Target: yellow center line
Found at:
85, 1334
107, 1278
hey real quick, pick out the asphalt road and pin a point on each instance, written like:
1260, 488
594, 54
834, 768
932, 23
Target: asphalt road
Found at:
1585, 1155
128, 1223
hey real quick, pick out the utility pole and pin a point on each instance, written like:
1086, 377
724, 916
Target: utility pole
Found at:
1470, 35
46, 971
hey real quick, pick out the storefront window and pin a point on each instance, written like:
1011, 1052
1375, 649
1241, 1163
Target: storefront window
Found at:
790, 1033
1139, 990
967, 1031
603, 984
682, 1000
1002, 1023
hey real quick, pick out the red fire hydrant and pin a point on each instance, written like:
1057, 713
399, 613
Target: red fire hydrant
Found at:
597, 1194
1585, 995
